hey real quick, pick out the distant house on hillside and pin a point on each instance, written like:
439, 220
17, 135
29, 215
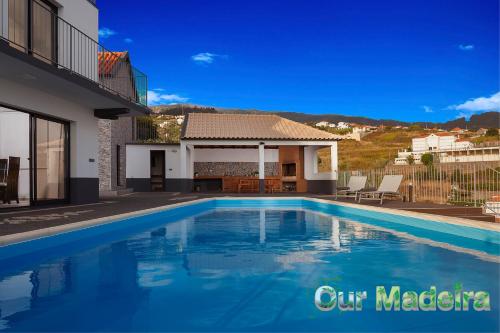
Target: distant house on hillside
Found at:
457, 130
343, 125
447, 148
322, 124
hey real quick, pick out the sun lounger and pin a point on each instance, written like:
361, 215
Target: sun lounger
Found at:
355, 185
388, 188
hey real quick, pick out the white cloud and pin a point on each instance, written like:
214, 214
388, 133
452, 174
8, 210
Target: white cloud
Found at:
206, 58
155, 98
128, 40
106, 32
427, 109
478, 104
466, 47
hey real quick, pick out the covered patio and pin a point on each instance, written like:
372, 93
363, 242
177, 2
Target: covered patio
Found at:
237, 153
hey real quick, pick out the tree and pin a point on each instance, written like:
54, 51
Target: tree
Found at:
427, 159
492, 132
410, 159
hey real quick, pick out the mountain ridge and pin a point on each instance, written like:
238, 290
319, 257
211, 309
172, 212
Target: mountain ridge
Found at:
482, 120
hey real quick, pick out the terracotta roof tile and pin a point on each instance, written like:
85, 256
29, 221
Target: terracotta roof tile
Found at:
250, 127
108, 61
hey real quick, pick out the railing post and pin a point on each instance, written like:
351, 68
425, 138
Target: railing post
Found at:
70, 48
440, 175
474, 180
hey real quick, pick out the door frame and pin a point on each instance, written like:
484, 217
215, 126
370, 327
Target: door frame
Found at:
163, 169
33, 160
32, 154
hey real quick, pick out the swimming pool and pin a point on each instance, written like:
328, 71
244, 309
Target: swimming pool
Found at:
245, 265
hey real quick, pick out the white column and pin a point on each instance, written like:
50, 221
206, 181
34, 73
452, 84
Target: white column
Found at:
334, 161
262, 169
183, 166
261, 161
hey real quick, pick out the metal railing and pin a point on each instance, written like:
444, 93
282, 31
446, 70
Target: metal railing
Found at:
156, 129
471, 183
33, 27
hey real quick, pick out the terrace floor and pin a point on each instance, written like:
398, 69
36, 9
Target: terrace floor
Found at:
31, 218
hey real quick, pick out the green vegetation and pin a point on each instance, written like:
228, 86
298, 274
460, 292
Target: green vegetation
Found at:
427, 159
492, 132
376, 149
410, 159
158, 129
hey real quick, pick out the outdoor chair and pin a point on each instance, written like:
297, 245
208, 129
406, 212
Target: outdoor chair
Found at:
248, 185
272, 186
9, 189
354, 186
388, 188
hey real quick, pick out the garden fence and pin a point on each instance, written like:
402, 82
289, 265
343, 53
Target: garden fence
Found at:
468, 184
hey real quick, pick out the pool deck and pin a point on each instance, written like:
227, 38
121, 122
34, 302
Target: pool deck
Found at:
34, 218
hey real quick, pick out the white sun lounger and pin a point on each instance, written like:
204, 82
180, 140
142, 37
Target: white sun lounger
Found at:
355, 185
388, 188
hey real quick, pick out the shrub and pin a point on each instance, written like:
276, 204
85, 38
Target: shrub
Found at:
410, 159
427, 159
492, 132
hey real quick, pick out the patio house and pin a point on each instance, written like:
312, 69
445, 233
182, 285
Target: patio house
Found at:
237, 153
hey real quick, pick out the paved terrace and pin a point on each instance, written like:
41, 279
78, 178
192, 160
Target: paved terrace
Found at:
27, 219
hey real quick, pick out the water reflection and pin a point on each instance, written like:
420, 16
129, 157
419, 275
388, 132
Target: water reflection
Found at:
227, 269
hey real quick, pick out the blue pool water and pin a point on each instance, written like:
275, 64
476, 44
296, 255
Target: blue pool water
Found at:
244, 266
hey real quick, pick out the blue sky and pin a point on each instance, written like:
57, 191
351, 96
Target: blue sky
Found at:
414, 60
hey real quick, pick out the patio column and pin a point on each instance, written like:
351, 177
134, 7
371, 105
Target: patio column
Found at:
186, 176
262, 169
183, 153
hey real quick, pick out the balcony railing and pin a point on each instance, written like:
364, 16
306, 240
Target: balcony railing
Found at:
35, 28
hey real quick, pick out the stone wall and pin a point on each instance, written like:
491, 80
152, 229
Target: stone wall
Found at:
243, 169
111, 134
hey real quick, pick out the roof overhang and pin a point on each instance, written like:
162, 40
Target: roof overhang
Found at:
233, 142
27, 70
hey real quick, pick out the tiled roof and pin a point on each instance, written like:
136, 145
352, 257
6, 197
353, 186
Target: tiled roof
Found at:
108, 61
212, 126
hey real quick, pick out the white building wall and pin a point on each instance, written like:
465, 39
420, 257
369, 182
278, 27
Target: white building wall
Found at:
83, 124
419, 144
81, 14
138, 160
235, 155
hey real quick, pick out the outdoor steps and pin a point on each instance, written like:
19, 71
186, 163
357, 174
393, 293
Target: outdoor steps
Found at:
492, 207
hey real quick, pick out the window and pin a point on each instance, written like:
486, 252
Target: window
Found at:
33, 28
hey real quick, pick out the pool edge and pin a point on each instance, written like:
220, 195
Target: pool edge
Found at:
60, 229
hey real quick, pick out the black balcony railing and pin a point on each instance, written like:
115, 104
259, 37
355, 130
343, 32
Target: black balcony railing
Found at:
34, 27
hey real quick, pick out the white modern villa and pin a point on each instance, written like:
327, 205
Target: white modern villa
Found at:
56, 82
236, 153
448, 148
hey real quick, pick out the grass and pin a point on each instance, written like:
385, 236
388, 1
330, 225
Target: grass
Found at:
376, 149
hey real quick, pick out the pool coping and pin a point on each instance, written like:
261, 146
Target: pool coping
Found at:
50, 231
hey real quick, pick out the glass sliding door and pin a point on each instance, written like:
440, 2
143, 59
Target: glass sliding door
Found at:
50, 160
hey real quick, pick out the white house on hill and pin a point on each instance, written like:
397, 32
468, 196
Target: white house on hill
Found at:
447, 148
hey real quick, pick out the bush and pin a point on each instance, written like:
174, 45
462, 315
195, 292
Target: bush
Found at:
492, 132
410, 160
427, 159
